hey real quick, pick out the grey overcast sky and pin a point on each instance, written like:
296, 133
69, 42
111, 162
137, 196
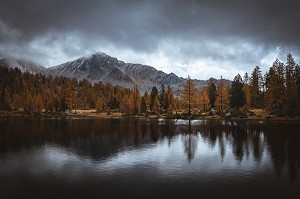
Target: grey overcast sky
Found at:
204, 38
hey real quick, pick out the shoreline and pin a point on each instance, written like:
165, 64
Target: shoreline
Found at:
102, 115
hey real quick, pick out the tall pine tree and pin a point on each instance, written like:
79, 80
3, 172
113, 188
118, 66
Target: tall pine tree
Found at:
256, 82
153, 94
291, 86
212, 93
237, 95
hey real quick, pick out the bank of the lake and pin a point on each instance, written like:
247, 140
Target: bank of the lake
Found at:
256, 114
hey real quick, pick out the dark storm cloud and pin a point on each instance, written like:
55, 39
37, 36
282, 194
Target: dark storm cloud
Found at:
120, 22
142, 26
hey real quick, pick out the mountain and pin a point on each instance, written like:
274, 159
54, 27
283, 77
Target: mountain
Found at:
104, 68
101, 67
23, 64
95, 68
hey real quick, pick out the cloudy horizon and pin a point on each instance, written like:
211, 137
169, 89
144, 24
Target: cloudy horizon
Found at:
202, 39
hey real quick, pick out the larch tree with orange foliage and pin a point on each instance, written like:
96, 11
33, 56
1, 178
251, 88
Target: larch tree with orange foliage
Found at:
188, 95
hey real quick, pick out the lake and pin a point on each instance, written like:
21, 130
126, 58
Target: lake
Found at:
148, 158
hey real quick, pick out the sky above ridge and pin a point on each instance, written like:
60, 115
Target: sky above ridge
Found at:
202, 39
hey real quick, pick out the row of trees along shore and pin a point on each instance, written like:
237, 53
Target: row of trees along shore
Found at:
278, 90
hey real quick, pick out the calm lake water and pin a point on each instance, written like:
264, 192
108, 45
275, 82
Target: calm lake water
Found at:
140, 158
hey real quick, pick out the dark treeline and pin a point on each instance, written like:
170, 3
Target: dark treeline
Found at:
278, 91
36, 93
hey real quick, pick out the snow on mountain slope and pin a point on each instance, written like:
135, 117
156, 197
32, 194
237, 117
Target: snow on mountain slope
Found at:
95, 68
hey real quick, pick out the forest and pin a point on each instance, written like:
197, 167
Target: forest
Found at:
278, 91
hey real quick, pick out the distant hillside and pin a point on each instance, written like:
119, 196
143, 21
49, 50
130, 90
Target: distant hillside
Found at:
22, 64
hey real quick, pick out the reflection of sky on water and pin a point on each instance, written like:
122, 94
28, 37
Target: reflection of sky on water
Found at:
168, 160
76, 158
167, 147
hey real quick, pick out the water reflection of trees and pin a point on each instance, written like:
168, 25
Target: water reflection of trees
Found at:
240, 136
96, 138
189, 139
284, 146
279, 140
102, 138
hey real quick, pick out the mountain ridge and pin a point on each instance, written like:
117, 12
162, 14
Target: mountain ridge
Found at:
23, 64
102, 67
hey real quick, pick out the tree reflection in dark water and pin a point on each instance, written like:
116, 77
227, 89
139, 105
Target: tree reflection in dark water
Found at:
101, 138
190, 141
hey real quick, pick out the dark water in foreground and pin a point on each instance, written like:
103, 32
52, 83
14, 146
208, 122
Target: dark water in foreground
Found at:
137, 158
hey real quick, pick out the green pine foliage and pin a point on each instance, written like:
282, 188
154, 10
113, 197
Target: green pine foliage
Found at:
237, 95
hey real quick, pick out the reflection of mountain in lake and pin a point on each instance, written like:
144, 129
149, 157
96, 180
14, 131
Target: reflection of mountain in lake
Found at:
104, 138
